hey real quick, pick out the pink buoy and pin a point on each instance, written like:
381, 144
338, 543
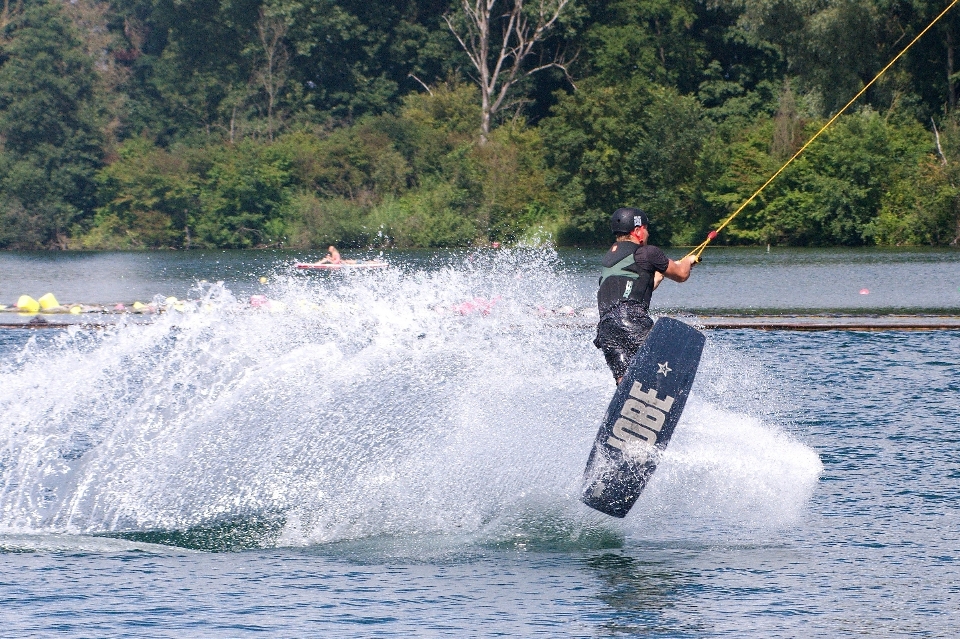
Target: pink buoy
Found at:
864, 291
479, 305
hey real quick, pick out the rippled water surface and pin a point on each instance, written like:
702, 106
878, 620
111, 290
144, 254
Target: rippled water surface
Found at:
398, 453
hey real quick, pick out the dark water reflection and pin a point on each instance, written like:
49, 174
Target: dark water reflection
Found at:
646, 594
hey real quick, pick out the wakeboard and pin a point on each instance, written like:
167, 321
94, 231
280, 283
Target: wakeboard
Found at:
641, 417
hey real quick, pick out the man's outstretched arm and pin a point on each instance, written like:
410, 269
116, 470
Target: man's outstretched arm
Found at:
679, 271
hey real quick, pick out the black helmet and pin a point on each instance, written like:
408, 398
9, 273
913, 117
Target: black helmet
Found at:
626, 219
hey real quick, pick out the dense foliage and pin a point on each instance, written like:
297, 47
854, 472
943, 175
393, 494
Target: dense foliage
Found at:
244, 123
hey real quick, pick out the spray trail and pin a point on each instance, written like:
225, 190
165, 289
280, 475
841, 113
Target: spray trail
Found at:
442, 400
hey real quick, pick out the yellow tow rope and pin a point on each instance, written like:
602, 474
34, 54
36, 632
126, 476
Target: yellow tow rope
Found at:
710, 236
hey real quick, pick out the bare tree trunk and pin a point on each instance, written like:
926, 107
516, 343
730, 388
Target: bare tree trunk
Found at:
936, 136
8, 14
272, 75
499, 36
422, 83
786, 125
951, 82
92, 17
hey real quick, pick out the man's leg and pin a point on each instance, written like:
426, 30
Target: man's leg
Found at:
620, 336
616, 345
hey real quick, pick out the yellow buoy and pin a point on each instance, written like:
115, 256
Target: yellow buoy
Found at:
28, 304
48, 301
170, 300
76, 310
306, 305
139, 306
263, 280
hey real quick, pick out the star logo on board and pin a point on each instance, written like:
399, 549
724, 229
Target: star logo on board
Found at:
663, 369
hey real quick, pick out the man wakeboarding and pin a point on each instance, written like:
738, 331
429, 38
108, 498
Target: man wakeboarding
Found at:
632, 270
654, 365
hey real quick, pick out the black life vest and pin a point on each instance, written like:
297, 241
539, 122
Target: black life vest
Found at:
621, 279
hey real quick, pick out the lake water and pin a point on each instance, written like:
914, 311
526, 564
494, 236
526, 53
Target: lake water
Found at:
728, 280
398, 453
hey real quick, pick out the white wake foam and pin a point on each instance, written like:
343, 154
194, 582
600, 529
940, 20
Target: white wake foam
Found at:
450, 400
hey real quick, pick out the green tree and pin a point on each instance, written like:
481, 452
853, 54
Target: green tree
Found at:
832, 193
243, 194
49, 126
633, 144
355, 57
654, 39
148, 195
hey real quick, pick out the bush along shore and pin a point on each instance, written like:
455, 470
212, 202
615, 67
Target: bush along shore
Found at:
145, 124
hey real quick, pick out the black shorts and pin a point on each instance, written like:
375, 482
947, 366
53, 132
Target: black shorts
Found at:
620, 333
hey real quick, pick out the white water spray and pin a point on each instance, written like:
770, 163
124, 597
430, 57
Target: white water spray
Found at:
442, 401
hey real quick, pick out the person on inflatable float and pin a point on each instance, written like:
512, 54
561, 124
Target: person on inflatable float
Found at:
632, 269
333, 257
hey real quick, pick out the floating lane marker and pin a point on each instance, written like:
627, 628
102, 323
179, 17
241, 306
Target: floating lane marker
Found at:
48, 302
97, 316
28, 304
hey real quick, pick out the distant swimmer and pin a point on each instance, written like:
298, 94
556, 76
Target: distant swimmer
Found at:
333, 257
632, 269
